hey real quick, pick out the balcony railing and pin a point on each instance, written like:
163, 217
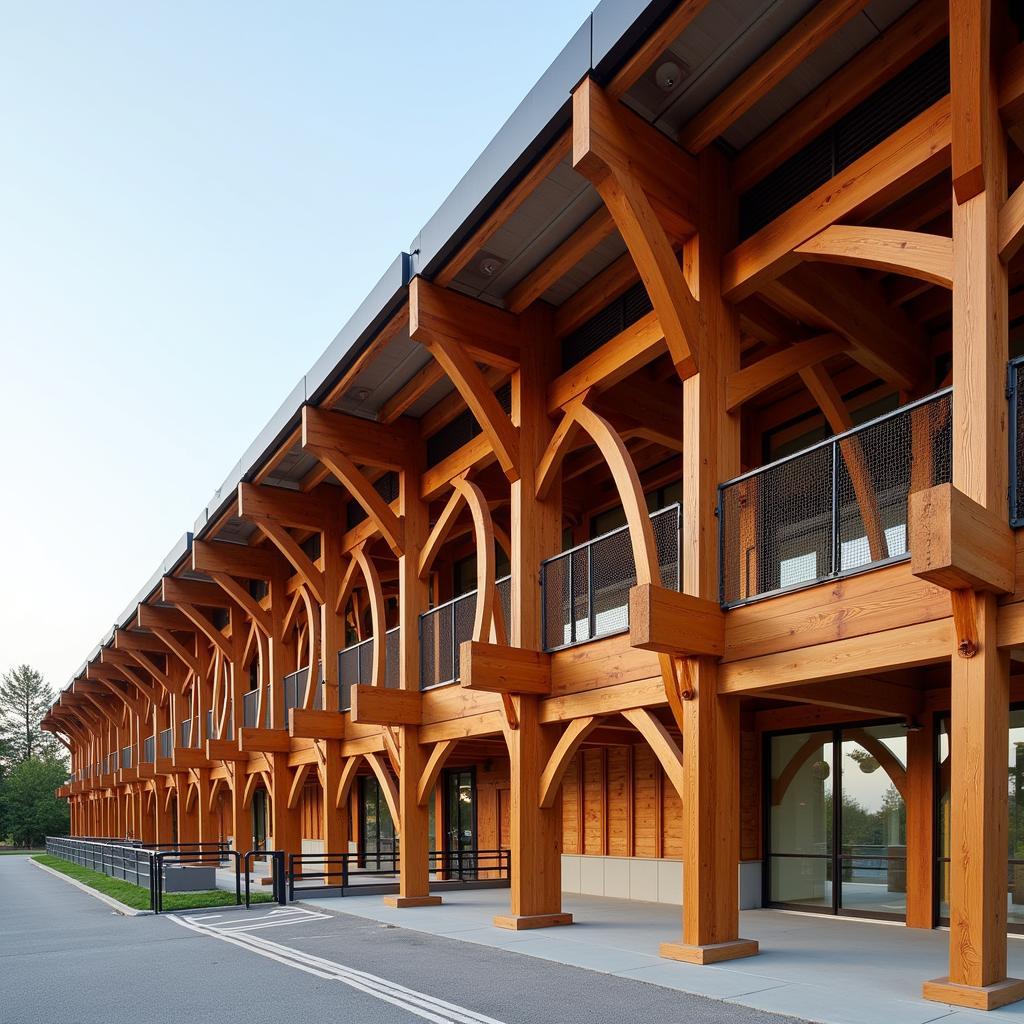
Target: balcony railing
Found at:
444, 628
586, 589
126, 757
250, 706
166, 742
186, 732
295, 690
836, 508
149, 750
1015, 389
355, 666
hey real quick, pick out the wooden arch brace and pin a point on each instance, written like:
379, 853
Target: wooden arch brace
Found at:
348, 776
616, 155
432, 769
361, 561
569, 742
661, 741
387, 785
914, 253
437, 319
329, 436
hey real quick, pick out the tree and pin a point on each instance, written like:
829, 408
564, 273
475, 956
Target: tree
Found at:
29, 810
25, 697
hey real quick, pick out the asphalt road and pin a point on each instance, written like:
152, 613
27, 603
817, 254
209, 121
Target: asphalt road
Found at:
67, 958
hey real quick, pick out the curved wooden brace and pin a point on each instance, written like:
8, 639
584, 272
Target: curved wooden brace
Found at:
348, 776
346, 585
172, 792
313, 650
887, 760
551, 778
391, 526
432, 769
377, 614
488, 616
387, 785
661, 741
1011, 225
250, 788
558, 447
439, 534
191, 794
298, 782
216, 785
300, 561
288, 622
913, 253
262, 674
476, 393
241, 596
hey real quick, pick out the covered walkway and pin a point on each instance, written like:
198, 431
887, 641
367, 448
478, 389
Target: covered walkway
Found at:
835, 970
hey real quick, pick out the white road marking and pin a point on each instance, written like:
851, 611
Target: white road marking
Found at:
419, 1003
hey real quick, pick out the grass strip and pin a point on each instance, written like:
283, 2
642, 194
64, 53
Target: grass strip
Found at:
136, 896
4, 852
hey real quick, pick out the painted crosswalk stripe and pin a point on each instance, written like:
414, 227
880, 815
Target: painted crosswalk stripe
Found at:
428, 1007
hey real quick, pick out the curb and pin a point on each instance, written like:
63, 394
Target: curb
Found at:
121, 908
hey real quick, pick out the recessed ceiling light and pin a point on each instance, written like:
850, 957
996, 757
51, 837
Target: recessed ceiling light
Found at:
489, 264
668, 75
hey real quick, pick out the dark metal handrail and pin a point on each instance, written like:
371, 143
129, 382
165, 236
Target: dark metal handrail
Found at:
835, 508
361, 654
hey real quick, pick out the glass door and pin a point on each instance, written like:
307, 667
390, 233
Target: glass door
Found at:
837, 821
460, 822
259, 820
377, 846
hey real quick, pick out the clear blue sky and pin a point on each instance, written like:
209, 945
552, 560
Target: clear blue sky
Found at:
193, 199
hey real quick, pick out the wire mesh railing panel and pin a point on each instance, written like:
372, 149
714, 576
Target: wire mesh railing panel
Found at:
586, 589
126, 757
1015, 379
166, 742
504, 587
186, 732
149, 750
392, 654
838, 507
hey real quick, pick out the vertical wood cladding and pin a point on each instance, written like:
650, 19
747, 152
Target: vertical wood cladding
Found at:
617, 801
311, 809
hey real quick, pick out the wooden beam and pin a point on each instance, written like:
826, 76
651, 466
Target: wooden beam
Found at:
287, 508
340, 463
778, 61
203, 595
907, 158
613, 152
914, 253
759, 377
243, 598
263, 741
315, 725
1011, 225
489, 335
661, 741
970, 32
310, 574
869, 696
374, 705
363, 441
411, 393
956, 543
298, 784
589, 300
924, 25
669, 622
883, 338
500, 669
240, 560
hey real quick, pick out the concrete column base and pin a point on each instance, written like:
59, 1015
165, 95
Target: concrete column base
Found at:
711, 953
518, 923
977, 997
411, 901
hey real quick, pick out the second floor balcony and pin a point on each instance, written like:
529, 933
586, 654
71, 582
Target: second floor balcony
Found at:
355, 666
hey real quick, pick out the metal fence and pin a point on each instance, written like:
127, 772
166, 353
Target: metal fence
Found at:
833, 509
444, 628
355, 666
149, 750
295, 690
126, 757
121, 858
1015, 391
166, 742
585, 590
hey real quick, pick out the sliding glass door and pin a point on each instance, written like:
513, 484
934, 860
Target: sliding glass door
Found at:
837, 821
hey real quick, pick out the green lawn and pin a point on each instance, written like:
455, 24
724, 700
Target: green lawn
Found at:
135, 896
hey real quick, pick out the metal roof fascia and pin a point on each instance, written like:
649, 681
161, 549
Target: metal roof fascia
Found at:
620, 26
529, 130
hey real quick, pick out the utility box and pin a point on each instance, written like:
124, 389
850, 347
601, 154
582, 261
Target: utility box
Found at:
189, 877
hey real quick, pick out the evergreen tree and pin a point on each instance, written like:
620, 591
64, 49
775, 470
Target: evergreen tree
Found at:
29, 810
25, 697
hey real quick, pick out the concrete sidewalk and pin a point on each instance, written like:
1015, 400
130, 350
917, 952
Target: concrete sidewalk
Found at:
838, 971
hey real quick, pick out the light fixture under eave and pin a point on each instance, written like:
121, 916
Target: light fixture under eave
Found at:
488, 265
668, 75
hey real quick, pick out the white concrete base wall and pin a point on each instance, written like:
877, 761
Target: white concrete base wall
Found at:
647, 879
312, 846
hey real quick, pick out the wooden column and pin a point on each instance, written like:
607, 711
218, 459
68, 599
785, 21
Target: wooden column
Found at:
335, 821
413, 828
188, 820
536, 832
921, 824
980, 681
206, 822
241, 815
711, 722
285, 824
